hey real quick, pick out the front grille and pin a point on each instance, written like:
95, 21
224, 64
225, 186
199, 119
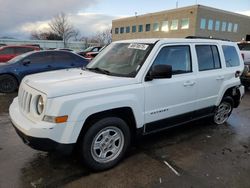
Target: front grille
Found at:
24, 99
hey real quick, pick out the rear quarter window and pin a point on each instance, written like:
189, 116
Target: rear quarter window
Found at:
231, 56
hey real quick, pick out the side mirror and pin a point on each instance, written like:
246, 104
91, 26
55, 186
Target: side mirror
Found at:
26, 62
160, 72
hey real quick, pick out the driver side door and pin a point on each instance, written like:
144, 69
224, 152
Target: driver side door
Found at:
170, 101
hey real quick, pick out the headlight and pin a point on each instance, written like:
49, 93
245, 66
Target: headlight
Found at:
40, 105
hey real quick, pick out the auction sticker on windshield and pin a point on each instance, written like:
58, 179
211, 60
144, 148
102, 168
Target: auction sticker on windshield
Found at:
138, 46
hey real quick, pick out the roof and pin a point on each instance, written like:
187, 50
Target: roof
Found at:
171, 40
184, 8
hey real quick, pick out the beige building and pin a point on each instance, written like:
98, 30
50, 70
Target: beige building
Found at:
194, 20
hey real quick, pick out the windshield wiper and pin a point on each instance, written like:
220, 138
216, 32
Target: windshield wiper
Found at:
96, 69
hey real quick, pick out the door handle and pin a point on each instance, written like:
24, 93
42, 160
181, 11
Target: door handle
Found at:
188, 83
220, 78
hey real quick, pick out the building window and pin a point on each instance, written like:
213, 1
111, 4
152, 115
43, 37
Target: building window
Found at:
208, 57
185, 23
156, 27
174, 25
235, 28
116, 30
127, 29
210, 25
164, 26
224, 26
203, 23
231, 56
217, 25
121, 30
133, 28
230, 27
140, 28
147, 27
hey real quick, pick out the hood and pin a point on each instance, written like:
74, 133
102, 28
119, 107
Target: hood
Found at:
71, 81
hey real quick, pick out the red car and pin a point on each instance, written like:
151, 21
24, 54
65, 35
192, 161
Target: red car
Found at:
9, 52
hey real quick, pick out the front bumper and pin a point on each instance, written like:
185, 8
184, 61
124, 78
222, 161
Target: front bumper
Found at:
44, 144
42, 136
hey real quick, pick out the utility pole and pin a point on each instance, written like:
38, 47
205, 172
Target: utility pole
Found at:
176, 4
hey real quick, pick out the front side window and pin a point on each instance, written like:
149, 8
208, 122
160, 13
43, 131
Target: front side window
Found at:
203, 23
121, 59
185, 23
231, 56
177, 56
208, 57
174, 25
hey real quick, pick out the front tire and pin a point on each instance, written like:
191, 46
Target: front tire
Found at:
223, 111
8, 84
105, 143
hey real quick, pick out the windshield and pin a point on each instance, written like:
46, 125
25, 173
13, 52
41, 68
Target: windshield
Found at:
121, 59
17, 58
88, 49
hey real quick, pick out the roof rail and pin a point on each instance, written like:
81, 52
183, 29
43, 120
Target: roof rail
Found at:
210, 37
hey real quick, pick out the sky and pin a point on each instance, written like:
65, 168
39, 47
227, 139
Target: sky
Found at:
18, 18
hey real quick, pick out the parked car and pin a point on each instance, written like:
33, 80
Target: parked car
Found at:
9, 52
90, 49
133, 87
12, 72
92, 55
245, 52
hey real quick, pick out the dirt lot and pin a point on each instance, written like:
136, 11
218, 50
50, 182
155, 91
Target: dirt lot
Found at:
199, 154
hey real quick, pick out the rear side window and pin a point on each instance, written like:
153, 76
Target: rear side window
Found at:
62, 57
20, 50
231, 56
208, 57
7, 51
177, 56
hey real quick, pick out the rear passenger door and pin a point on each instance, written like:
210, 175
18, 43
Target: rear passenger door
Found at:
210, 77
62, 60
171, 100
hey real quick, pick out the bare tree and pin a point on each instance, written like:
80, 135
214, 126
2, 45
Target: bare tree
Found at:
40, 35
103, 37
61, 26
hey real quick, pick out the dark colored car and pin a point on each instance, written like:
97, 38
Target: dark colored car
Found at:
9, 52
90, 49
12, 72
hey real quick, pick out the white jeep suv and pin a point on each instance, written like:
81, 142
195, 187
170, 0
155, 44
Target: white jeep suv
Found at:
132, 87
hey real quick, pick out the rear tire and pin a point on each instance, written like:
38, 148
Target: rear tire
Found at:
105, 143
223, 111
8, 84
